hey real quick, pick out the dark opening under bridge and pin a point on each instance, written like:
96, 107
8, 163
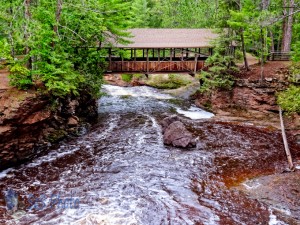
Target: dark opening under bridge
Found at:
162, 50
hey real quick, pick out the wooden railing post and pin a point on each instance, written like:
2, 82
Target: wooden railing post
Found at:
147, 63
110, 61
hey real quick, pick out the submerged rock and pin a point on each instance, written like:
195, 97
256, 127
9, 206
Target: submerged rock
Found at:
176, 134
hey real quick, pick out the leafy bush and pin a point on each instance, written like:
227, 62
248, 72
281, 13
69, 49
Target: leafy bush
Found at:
289, 100
4, 50
20, 76
126, 77
295, 72
58, 75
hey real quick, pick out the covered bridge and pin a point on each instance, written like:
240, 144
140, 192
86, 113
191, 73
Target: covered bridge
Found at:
162, 50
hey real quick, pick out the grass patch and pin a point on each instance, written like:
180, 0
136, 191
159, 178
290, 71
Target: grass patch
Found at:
172, 81
138, 76
127, 77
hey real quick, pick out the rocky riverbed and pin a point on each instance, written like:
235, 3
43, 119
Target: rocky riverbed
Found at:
122, 173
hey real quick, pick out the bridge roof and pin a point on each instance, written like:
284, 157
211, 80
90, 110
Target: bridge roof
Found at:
169, 38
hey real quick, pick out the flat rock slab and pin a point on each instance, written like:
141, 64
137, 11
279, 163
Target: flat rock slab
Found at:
280, 191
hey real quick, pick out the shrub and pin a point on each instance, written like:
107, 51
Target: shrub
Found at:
289, 100
58, 75
20, 76
126, 77
295, 72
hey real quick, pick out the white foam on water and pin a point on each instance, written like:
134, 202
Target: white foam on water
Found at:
141, 91
4, 173
158, 130
52, 156
252, 185
105, 219
273, 219
195, 113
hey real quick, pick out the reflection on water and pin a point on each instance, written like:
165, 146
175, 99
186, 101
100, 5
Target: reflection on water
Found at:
123, 174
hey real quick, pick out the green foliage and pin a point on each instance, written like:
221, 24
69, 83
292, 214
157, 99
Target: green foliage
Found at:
173, 13
289, 100
59, 76
295, 72
20, 76
127, 77
57, 46
4, 50
140, 12
172, 81
296, 45
221, 67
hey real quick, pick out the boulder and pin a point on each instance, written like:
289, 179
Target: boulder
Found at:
176, 134
167, 121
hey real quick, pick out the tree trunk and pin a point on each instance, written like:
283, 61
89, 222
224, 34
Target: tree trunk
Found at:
262, 77
244, 51
265, 4
57, 19
272, 41
58, 15
10, 34
287, 26
27, 16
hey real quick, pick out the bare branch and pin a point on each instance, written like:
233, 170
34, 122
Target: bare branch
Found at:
81, 38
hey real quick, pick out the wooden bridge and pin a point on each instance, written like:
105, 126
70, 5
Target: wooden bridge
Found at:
280, 56
162, 50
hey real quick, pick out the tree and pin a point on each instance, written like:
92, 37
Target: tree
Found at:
140, 11
288, 11
62, 40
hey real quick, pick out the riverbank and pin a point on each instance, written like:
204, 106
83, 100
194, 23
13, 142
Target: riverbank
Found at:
30, 123
251, 100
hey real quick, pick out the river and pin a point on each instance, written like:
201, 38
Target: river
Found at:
120, 172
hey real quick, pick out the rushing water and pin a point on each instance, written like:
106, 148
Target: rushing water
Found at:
121, 173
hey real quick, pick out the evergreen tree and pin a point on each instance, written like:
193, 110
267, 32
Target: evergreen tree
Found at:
61, 41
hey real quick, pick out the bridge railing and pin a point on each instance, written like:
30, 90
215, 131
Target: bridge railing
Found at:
280, 56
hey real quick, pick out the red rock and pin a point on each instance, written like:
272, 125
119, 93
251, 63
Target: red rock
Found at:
37, 117
73, 121
177, 135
